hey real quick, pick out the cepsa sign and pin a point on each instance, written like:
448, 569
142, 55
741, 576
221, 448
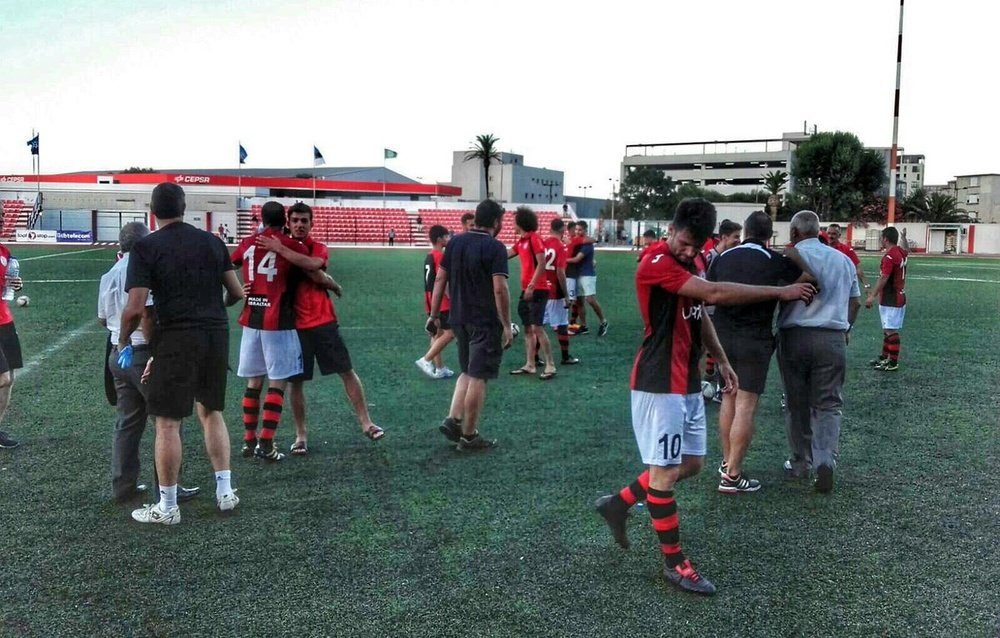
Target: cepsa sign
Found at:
11, 178
193, 179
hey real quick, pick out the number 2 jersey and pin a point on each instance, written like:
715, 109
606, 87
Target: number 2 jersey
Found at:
270, 304
555, 258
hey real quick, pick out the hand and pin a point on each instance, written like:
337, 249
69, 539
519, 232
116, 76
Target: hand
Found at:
246, 289
869, 300
337, 289
125, 357
15, 283
729, 379
508, 337
269, 243
433, 325
529, 290
145, 373
798, 292
847, 338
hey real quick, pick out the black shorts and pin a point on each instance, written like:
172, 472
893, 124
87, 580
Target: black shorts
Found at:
445, 325
324, 345
10, 348
750, 358
479, 350
189, 365
532, 311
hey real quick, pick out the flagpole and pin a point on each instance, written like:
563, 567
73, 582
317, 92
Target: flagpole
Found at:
383, 179
38, 170
239, 175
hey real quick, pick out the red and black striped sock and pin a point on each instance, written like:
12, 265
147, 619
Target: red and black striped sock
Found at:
663, 511
562, 334
632, 494
272, 415
251, 410
885, 347
892, 342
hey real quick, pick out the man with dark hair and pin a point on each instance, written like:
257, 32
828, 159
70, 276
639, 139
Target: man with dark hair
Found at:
468, 221
746, 335
729, 236
186, 269
534, 293
10, 347
668, 414
317, 327
431, 363
474, 269
892, 299
557, 307
129, 391
650, 243
833, 233
587, 282
812, 354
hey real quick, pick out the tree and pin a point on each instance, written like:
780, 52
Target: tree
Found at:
137, 169
774, 183
935, 208
837, 173
484, 150
648, 193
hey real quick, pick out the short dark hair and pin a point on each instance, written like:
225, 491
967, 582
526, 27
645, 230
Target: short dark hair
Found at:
891, 234
301, 208
759, 226
571, 225
526, 219
167, 201
650, 234
557, 225
273, 215
436, 232
467, 216
488, 213
728, 227
697, 216
582, 224
832, 226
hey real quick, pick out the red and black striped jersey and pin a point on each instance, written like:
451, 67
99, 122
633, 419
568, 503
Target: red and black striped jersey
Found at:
555, 258
894, 265
667, 361
431, 264
270, 304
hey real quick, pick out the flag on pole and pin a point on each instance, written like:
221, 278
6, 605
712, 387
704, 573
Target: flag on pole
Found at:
390, 154
33, 144
318, 157
243, 155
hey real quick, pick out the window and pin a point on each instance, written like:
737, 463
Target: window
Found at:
974, 181
973, 199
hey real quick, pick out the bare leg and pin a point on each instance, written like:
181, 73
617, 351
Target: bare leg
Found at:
530, 348
6, 383
475, 396
546, 346
726, 412
216, 438
582, 308
296, 390
356, 394
592, 300
742, 430
168, 449
438, 344
457, 409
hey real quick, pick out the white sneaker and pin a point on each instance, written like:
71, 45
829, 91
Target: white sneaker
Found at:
446, 372
153, 514
426, 367
227, 502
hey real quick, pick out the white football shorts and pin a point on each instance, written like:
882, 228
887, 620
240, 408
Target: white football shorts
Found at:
556, 313
668, 426
892, 317
587, 286
275, 354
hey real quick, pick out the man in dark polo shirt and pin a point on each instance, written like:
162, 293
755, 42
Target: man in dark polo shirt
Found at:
745, 333
186, 270
474, 269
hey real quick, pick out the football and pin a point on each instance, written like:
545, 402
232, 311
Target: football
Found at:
23, 300
514, 329
707, 389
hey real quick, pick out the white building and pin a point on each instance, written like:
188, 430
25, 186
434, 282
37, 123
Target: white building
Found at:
510, 180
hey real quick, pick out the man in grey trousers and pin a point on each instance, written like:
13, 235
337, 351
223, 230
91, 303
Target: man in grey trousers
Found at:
130, 391
812, 354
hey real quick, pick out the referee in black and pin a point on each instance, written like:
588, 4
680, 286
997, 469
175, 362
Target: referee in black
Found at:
186, 269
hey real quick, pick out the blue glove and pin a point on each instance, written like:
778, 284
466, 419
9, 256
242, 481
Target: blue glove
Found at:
125, 357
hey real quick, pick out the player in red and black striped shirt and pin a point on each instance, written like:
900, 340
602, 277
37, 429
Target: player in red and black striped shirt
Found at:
890, 291
668, 414
534, 293
431, 363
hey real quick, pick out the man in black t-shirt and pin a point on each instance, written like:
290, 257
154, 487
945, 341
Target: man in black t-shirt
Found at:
185, 269
746, 335
474, 268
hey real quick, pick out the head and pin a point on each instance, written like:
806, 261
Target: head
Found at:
648, 237
805, 225
439, 236
581, 229
729, 235
167, 201
468, 221
890, 237
758, 227
693, 223
131, 233
300, 220
525, 220
557, 227
273, 215
489, 216
833, 233
571, 229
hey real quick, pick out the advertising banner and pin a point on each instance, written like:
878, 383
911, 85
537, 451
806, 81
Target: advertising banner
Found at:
74, 236
35, 235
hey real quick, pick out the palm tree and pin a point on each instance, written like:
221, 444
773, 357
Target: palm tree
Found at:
774, 183
484, 150
936, 208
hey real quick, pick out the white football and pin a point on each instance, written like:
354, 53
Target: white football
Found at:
23, 300
514, 329
707, 389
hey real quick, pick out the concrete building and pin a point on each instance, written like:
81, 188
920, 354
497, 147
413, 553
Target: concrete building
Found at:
510, 180
979, 195
910, 173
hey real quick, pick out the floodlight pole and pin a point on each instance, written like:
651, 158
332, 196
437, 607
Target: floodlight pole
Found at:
891, 217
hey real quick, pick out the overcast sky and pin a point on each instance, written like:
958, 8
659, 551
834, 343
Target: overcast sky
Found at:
568, 84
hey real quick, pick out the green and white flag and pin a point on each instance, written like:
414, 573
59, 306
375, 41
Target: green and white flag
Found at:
390, 154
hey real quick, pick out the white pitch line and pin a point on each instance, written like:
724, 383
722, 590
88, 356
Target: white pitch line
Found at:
37, 360
979, 281
60, 281
72, 252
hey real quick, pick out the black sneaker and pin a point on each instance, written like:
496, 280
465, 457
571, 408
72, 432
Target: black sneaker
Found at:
450, 429
878, 362
6, 442
737, 484
686, 577
603, 330
476, 443
583, 330
824, 479
615, 516
723, 467
248, 448
570, 361
271, 455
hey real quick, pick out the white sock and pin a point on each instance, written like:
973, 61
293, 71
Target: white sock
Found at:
168, 497
223, 485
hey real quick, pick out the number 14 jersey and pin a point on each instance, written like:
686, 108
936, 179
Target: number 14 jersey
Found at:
270, 304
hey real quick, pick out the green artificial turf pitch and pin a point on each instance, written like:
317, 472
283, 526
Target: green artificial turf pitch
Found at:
407, 537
